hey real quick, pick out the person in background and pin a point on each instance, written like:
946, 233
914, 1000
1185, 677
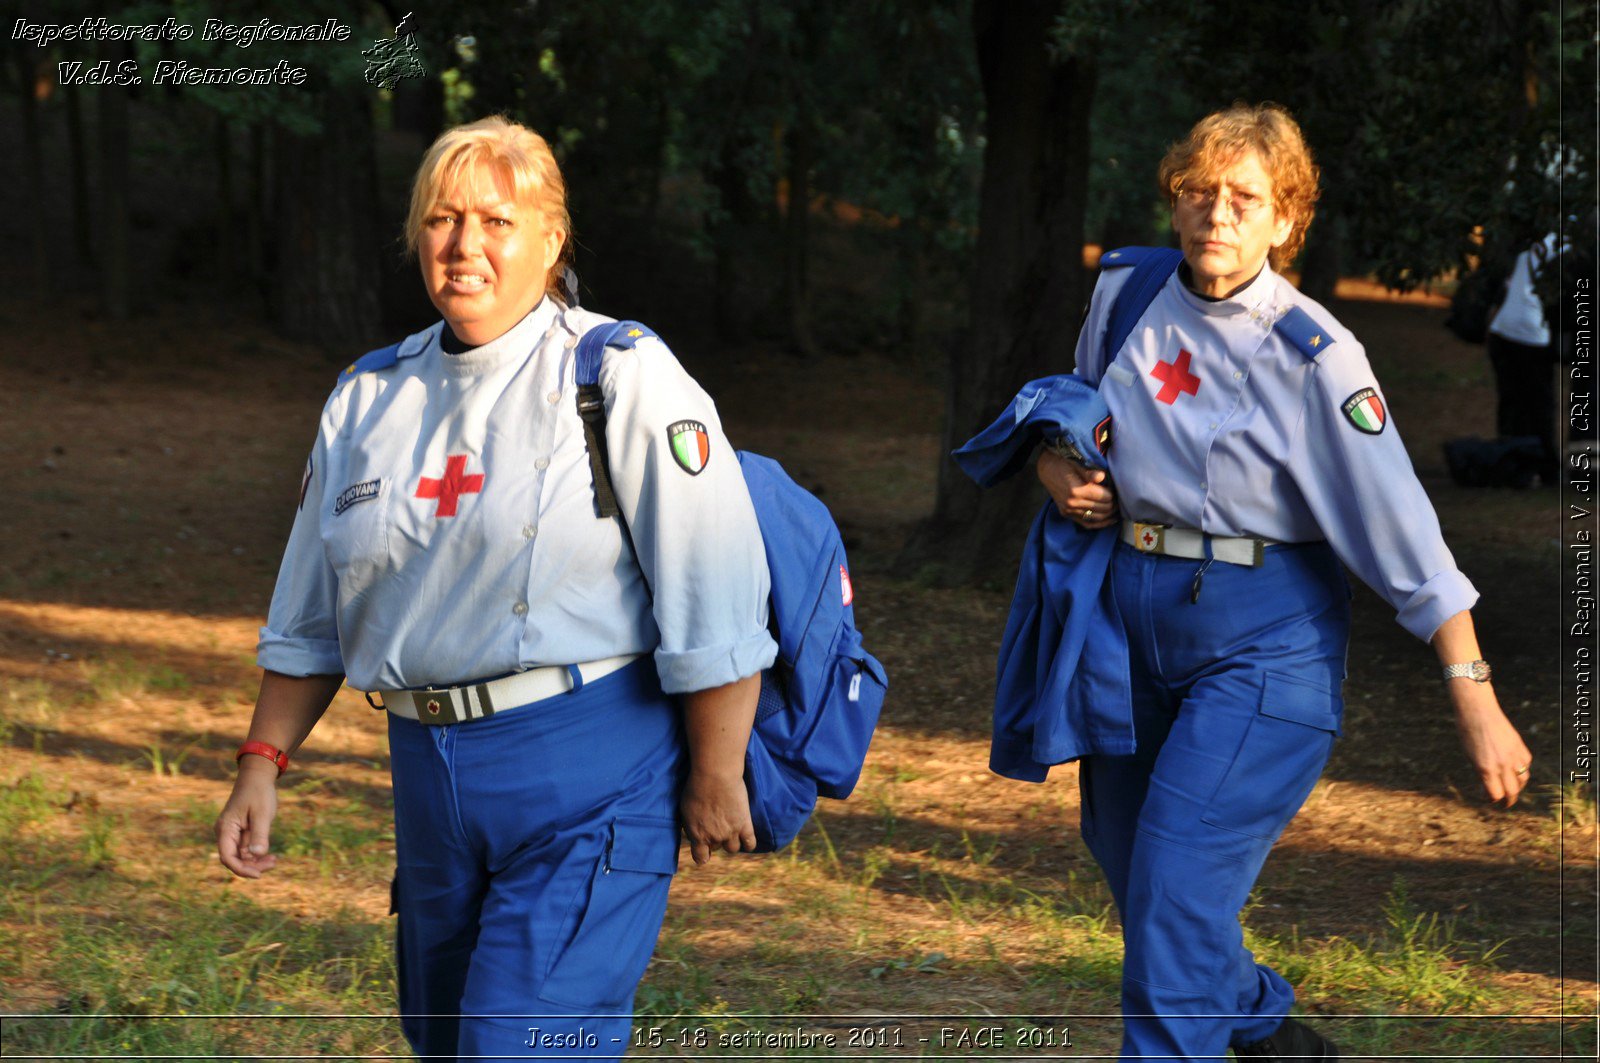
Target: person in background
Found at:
1522, 351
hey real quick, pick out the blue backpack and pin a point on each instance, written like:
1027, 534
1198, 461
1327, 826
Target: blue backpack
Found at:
821, 698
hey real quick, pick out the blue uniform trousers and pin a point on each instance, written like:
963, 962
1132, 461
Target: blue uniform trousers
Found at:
1236, 705
535, 849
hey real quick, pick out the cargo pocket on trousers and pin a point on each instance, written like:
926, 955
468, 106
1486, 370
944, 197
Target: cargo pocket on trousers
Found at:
1283, 752
611, 929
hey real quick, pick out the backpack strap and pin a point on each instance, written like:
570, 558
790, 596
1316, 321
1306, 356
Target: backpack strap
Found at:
1151, 268
592, 403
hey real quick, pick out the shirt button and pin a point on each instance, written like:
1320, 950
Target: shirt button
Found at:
521, 608
1238, 374
542, 463
1212, 426
1202, 485
554, 397
529, 530
572, 341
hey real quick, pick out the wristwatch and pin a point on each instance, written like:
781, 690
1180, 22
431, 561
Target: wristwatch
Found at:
1477, 671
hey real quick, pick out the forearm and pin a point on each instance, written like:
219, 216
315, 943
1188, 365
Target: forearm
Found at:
288, 707
717, 726
1456, 640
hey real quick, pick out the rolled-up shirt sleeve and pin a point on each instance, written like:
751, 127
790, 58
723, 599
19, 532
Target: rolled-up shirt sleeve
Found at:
1362, 491
301, 636
694, 529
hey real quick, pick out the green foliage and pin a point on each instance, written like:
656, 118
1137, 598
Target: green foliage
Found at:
1431, 120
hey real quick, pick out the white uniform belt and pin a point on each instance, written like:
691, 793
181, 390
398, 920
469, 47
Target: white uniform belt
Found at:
1186, 542
475, 701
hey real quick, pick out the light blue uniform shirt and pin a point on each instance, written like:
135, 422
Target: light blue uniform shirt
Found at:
448, 534
1224, 425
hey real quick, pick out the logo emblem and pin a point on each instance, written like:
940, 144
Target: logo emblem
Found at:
1148, 537
452, 486
433, 707
691, 447
1365, 411
1102, 435
1175, 378
847, 590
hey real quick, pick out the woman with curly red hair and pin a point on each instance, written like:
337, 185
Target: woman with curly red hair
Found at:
1253, 455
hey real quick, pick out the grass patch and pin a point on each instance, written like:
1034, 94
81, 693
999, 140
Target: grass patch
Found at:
1415, 961
158, 955
127, 677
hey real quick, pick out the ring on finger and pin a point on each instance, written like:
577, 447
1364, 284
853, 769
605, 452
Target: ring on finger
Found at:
1088, 512
1523, 770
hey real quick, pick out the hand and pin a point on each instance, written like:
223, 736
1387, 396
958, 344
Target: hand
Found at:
1081, 494
716, 815
244, 827
1491, 742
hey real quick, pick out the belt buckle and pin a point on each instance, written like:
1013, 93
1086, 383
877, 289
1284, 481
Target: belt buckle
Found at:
1149, 538
435, 705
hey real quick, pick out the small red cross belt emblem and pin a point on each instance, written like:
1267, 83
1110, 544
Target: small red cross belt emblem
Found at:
455, 484
1175, 378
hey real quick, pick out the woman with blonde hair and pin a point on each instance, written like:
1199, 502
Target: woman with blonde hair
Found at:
447, 558
1253, 455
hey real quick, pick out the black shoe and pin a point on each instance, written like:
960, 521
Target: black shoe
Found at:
1292, 1040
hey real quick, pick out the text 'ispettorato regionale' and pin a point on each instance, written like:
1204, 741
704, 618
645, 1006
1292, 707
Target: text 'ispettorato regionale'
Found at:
94, 30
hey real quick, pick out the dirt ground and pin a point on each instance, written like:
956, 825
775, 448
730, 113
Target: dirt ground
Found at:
152, 481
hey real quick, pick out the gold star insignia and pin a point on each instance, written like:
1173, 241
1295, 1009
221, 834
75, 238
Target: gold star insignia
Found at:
1315, 341
634, 333
351, 368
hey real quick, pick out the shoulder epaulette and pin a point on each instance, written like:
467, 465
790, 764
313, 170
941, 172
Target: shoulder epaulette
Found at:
382, 358
1300, 329
623, 335
627, 335
1130, 256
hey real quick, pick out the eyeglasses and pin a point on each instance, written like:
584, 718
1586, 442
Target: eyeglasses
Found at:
1241, 204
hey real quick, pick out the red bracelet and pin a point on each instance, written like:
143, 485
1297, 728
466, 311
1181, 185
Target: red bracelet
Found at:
261, 749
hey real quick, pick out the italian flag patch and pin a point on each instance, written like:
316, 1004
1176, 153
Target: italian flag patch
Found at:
691, 447
1364, 409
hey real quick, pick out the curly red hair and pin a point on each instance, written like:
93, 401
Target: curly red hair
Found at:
1220, 138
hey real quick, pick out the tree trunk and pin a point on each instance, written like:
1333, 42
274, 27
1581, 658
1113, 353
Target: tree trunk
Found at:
115, 280
78, 162
225, 253
739, 217
1323, 259
796, 235
258, 256
32, 171
327, 280
1029, 287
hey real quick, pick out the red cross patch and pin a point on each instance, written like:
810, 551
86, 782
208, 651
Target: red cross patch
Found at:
1175, 378
452, 486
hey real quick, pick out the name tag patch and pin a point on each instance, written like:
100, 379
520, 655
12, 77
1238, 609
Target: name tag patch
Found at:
365, 491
